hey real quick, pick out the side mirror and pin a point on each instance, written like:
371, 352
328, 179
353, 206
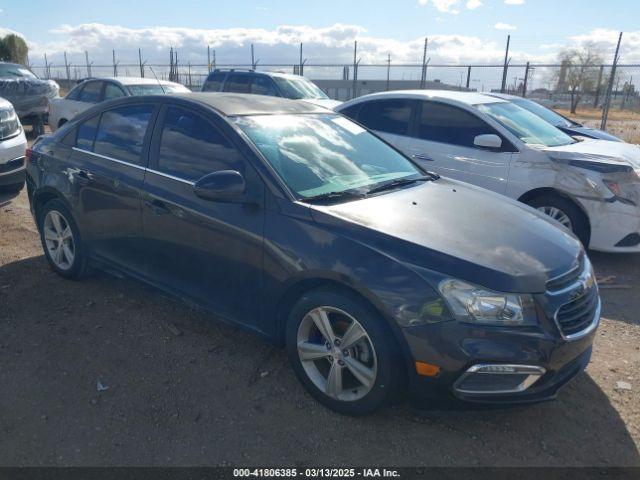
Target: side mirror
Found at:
488, 140
224, 185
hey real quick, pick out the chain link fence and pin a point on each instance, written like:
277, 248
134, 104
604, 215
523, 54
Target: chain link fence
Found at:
576, 91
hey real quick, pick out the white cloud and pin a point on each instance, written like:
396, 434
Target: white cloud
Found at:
473, 4
504, 26
444, 6
514, 2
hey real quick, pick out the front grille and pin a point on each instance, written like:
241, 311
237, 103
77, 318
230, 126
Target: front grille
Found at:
11, 165
577, 315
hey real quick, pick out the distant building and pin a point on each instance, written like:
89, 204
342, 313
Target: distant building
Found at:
342, 89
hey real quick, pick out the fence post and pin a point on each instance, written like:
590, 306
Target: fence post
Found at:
627, 91
468, 76
208, 59
46, 67
607, 99
86, 58
141, 63
115, 64
423, 76
388, 69
506, 65
355, 70
598, 87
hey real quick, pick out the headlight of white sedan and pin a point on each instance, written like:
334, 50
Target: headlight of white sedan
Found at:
9, 123
475, 304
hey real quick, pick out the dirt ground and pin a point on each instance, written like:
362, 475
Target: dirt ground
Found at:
624, 124
107, 371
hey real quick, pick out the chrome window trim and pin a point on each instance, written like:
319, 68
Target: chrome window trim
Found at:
150, 170
172, 177
105, 157
534, 374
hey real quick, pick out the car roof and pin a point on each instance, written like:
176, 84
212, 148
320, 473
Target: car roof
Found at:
505, 96
234, 104
133, 80
449, 96
254, 72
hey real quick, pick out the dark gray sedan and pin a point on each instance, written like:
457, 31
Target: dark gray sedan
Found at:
297, 223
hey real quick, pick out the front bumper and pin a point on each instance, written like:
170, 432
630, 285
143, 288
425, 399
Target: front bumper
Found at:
615, 226
457, 348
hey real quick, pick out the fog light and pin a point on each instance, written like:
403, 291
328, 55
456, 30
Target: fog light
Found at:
486, 379
427, 370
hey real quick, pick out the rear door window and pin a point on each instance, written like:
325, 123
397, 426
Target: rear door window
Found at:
92, 92
122, 131
87, 133
389, 116
263, 85
238, 84
444, 123
111, 90
191, 146
214, 81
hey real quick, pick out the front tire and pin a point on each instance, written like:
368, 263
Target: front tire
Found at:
342, 352
564, 212
61, 240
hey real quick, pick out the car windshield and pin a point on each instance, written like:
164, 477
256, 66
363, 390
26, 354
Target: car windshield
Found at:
10, 70
528, 127
545, 113
299, 88
155, 89
325, 154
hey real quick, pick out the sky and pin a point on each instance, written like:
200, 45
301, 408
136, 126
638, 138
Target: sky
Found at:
459, 31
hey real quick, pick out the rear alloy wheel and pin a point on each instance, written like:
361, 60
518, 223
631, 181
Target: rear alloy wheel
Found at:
61, 240
343, 352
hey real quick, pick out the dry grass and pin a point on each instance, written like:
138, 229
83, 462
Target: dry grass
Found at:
621, 123
596, 114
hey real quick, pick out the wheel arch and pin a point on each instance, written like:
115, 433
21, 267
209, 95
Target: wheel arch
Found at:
539, 192
46, 194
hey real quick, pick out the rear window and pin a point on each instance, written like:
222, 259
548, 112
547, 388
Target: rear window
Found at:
91, 92
121, 132
87, 133
238, 84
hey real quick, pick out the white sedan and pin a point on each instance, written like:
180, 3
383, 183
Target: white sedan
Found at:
591, 187
96, 90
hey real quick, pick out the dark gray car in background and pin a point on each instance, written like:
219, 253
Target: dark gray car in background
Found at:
296, 223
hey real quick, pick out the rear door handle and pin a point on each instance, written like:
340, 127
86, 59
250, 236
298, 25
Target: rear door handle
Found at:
422, 156
83, 177
157, 206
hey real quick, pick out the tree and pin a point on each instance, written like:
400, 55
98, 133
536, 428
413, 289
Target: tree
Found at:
581, 74
13, 49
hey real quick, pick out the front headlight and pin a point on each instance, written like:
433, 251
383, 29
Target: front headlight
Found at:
475, 304
9, 123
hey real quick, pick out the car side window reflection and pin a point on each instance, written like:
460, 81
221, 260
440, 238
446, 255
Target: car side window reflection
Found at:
191, 147
91, 92
390, 116
87, 133
121, 132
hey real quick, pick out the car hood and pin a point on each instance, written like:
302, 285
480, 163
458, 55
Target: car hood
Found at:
589, 132
601, 151
323, 102
459, 230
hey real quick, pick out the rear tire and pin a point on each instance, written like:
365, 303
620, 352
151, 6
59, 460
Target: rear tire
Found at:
61, 240
564, 212
356, 373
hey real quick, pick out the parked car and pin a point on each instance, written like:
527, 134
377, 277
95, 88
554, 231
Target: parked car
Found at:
13, 145
96, 90
28, 94
561, 122
591, 187
294, 222
272, 84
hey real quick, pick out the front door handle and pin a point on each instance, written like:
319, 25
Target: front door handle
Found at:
157, 206
82, 177
422, 156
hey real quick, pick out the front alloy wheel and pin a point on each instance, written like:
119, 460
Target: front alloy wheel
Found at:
557, 215
343, 351
337, 353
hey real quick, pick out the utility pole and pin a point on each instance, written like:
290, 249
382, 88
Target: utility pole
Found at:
506, 65
598, 87
141, 63
423, 76
388, 69
526, 81
607, 100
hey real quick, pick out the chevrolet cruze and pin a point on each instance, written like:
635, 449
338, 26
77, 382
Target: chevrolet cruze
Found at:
296, 223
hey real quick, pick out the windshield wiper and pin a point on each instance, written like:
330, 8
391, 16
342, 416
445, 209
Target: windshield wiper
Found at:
398, 182
343, 195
